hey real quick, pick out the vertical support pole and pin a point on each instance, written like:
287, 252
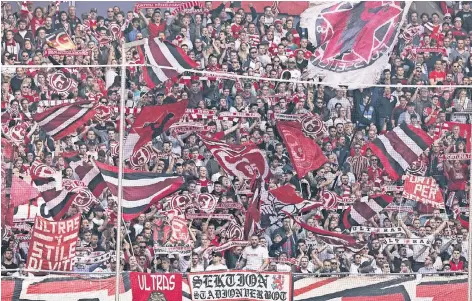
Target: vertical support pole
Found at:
120, 171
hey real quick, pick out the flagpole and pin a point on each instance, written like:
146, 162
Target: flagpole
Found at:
469, 239
120, 172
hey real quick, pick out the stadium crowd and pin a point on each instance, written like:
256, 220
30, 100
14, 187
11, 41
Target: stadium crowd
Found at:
267, 45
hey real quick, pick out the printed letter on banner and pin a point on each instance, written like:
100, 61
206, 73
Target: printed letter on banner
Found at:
240, 285
156, 286
52, 246
424, 190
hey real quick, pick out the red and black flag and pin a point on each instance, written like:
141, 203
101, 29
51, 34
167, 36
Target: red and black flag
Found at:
140, 189
152, 76
359, 213
151, 122
57, 200
400, 148
92, 178
166, 54
62, 120
329, 237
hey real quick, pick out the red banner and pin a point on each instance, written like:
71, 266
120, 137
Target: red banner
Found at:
52, 246
156, 286
70, 52
424, 190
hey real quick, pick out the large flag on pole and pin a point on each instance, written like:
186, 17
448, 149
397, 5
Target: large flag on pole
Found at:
353, 40
400, 148
243, 161
305, 153
151, 122
140, 189
165, 54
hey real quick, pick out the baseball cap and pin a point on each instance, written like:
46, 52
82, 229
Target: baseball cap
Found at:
457, 19
447, 15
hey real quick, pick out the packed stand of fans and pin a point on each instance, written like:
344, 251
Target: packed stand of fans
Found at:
227, 39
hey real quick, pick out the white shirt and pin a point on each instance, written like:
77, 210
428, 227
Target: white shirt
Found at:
417, 249
218, 267
255, 257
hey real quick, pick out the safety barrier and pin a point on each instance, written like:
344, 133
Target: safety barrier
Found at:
236, 285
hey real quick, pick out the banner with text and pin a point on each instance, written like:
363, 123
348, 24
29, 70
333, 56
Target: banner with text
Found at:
240, 285
156, 286
424, 190
52, 246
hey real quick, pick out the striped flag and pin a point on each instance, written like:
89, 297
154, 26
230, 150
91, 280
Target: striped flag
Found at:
149, 76
167, 54
57, 200
140, 189
253, 213
359, 213
92, 178
333, 238
399, 148
62, 120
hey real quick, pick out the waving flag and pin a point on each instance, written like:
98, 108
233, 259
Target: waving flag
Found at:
253, 214
166, 54
62, 120
151, 122
353, 40
305, 154
140, 189
21, 191
57, 200
400, 148
361, 212
243, 161
281, 199
329, 237
60, 40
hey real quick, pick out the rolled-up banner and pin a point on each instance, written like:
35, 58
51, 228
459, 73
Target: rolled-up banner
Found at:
392, 188
456, 157
230, 205
95, 257
180, 250
288, 117
226, 246
70, 52
406, 241
142, 5
208, 215
399, 208
362, 229
287, 260
189, 8
239, 115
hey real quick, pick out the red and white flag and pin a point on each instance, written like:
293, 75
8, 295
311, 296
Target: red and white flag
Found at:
305, 154
150, 123
62, 120
140, 189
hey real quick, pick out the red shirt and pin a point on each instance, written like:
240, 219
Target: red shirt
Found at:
457, 267
437, 75
235, 29
155, 29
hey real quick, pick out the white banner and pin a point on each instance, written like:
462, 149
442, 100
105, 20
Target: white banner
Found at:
406, 241
240, 285
362, 229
